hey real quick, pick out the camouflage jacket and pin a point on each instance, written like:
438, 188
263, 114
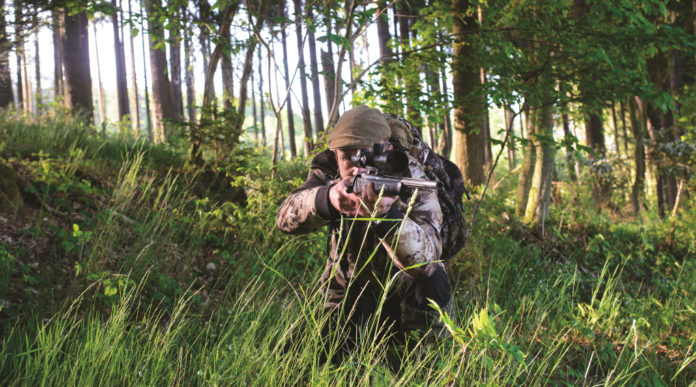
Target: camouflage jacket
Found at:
357, 251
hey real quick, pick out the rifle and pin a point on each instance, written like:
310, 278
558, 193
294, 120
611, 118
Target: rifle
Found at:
380, 165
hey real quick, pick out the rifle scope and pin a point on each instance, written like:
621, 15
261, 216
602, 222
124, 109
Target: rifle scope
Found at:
392, 161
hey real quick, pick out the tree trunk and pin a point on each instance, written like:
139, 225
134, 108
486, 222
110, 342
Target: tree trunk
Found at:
78, 82
445, 146
19, 32
218, 53
485, 125
248, 66
622, 110
570, 151
327, 65
306, 120
386, 57
262, 109
134, 82
57, 56
37, 63
637, 192
412, 70
509, 123
594, 135
121, 78
485, 118
616, 128
661, 130
102, 103
253, 110
6, 95
148, 113
188, 75
203, 38
468, 137
432, 79
227, 81
314, 68
528, 166
288, 96
161, 88
175, 68
540, 191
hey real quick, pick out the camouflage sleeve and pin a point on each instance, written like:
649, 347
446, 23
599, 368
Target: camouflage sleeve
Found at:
306, 208
419, 243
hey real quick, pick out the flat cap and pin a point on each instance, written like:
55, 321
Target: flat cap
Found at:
359, 127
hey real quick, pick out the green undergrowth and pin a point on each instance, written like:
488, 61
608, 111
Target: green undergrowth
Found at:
125, 266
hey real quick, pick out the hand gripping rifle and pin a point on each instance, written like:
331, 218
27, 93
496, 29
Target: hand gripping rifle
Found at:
381, 165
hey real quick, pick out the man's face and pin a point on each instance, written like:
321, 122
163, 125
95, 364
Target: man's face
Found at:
345, 167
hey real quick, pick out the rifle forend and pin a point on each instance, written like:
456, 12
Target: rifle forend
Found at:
392, 185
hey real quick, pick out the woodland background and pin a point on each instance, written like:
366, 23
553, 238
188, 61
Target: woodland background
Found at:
139, 191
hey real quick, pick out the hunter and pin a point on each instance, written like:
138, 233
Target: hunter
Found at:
406, 242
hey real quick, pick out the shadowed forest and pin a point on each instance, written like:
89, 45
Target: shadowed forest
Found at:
146, 145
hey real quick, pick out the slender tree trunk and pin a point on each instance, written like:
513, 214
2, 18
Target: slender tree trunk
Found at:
37, 62
528, 166
161, 88
19, 32
570, 151
21, 51
445, 146
203, 37
6, 95
468, 137
386, 57
175, 68
253, 110
485, 118
188, 75
509, 118
102, 103
57, 56
121, 78
78, 82
314, 69
28, 93
277, 112
261, 100
208, 92
412, 71
327, 65
432, 79
217, 54
540, 192
134, 80
616, 128
306, 120
594, 134
248, 66
148, 113
622, 110
288, 100
227, 81
637, 192
222, 52
329, 71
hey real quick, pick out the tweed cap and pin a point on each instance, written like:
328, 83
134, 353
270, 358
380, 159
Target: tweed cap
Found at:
359, 127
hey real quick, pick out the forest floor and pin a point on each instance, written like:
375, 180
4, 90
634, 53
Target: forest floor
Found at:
121, 265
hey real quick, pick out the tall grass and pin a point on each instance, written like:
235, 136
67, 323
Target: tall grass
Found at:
606, 303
